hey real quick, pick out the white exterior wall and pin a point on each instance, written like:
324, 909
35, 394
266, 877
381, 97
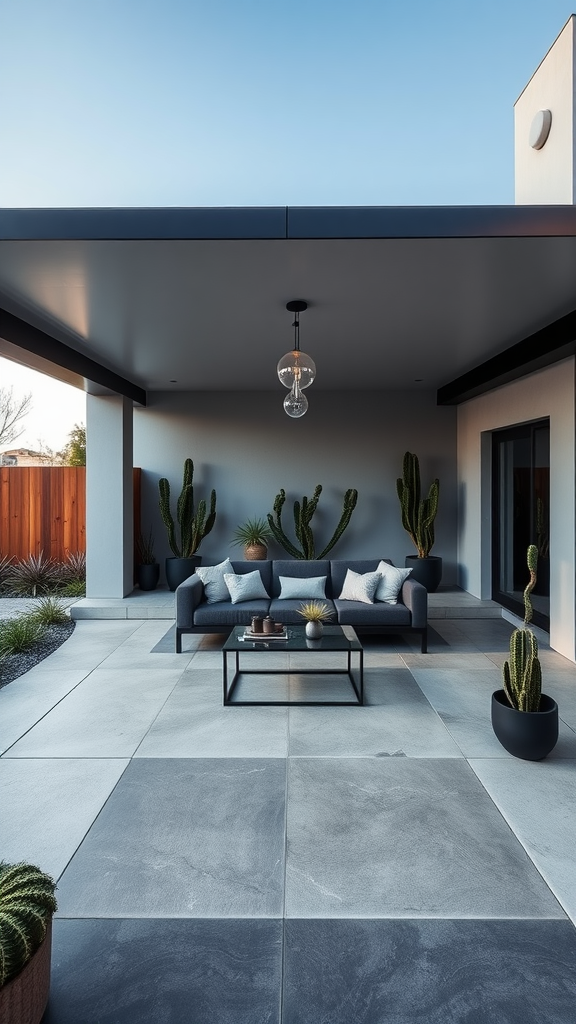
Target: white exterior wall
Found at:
546, 176
548, 393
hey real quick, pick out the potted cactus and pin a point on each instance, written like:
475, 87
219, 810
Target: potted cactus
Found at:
27, 904
524, 719
418, 515
194, 526
303, 512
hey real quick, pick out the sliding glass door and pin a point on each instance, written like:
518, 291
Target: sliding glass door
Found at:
521, 516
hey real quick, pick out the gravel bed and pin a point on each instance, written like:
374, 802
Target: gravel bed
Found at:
14, 665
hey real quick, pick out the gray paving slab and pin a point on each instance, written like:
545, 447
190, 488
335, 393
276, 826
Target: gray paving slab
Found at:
396, 721
463, 701
48, 806
429, 972
27, 699
166, 972
184, 838
403, 837
106, 715
538, 800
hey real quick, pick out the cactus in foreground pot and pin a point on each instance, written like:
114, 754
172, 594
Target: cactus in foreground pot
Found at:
303, 513
418, 514
194, 525
27, 903
523, 673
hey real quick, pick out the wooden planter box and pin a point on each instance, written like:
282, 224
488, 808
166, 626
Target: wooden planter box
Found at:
23, 1000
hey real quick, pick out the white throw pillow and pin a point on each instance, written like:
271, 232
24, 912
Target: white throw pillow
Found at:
212, 577
247, 587
391, 582
359, 587
310, 587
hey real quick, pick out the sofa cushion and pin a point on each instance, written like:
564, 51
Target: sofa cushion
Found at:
391, 582
226, 614
299, 568
247, 586
307, 587
286, 611
360, 587
263, 565
356, 613
339, 567
212, 577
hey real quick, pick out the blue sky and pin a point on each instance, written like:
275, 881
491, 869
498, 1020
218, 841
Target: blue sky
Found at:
264, 102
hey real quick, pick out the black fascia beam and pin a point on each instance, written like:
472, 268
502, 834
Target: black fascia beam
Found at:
549, 345
32, 339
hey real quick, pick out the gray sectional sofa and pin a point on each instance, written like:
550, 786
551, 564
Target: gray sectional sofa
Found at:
195, 615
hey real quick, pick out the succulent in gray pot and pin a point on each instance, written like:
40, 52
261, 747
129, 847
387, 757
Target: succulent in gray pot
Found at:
195, 524
316, 614
27, 904
524, 719
147, 568
418, 515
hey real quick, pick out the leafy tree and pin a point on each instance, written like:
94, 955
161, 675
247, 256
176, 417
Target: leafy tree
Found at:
74, 454
12, 411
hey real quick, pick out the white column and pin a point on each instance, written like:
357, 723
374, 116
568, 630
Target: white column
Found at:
109, 500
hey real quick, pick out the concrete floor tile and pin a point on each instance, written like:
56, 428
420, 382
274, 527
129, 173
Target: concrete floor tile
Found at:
403, 837
184, 838
106, 715
459, 660
48, 806
27, 699
166, 972
538, 800
434, 972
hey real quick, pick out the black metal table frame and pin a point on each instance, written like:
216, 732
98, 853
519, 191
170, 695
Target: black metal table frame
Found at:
254, 646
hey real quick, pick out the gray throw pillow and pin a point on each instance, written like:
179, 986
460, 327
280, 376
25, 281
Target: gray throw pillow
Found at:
391, 582
212, 577
247, 587
359, 587
308, 587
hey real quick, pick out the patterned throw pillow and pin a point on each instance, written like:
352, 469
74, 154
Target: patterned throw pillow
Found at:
212, 577
309, 587
390, 583
359, 587
247, 587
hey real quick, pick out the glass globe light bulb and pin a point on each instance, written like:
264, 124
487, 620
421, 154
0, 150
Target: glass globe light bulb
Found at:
296, 366
295, 403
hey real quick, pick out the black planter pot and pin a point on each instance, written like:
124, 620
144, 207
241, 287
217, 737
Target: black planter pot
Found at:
179, 569
530, 735
427, 571
148, 576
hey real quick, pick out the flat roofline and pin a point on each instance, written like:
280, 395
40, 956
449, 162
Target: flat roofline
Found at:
285, 222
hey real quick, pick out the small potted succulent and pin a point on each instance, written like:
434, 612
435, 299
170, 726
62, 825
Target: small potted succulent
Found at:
316, 614
524, 719
147, 569
27, 904
254, 535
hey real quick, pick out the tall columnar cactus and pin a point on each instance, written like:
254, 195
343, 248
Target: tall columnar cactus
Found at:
523, 673
303, 512
194, 525
418, 514
27, 903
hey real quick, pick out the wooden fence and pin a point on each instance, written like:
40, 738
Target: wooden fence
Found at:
43, 508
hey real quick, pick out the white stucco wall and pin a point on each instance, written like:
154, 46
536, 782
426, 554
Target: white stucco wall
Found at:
547, 175
246, 447
548, 393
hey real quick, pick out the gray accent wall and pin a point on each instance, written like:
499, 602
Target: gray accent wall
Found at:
246, 447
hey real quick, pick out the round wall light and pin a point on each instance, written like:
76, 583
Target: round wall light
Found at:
540, 129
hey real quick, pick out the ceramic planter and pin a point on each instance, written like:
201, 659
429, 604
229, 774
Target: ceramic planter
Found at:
148, 576
427, 571
255, 552
530, 735
314, 630
179, 569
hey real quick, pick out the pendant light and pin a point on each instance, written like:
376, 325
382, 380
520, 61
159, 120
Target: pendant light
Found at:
296, 369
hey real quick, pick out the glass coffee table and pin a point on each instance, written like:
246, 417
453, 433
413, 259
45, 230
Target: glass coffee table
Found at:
334, 639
